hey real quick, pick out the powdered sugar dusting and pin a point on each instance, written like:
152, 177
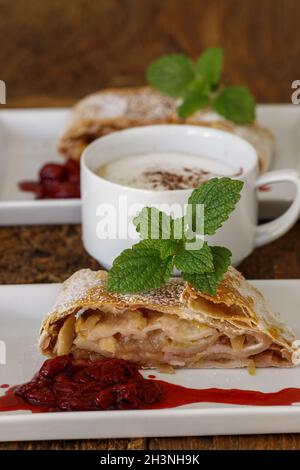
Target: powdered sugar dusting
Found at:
151, 104
76, 287
88, 286
140, 103
168, 294
103, 105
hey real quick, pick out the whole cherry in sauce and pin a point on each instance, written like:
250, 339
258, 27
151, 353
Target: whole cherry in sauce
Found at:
73, 171
53, 171
56, 181
66, 384
61, 189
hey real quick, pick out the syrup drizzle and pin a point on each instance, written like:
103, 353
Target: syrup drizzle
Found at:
177, 395
11, 402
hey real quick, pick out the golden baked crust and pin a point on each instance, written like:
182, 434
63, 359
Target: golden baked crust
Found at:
245, 306
115, 109
238, 310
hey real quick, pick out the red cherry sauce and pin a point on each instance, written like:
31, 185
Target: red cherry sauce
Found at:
66, 384
56, 181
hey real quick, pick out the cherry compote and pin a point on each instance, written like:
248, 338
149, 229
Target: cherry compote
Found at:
56, 181
66, 384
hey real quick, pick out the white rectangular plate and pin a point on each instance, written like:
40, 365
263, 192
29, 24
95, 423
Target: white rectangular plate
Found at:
21, 310
28, 139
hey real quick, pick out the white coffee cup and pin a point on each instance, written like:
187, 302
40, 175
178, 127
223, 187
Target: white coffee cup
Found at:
241, 233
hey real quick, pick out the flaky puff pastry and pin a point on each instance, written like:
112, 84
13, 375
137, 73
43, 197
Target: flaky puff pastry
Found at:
173, 326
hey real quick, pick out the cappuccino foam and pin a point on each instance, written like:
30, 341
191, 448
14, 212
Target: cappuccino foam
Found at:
164, 171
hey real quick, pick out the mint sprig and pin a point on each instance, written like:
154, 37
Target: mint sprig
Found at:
167, 243
216, 209
153, 223
197, 97
209, 281
166, 248
171, 74
195, 261
139, 270
209, 65
236, 104
198, 85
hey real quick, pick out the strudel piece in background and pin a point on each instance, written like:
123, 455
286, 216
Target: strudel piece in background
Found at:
120, 108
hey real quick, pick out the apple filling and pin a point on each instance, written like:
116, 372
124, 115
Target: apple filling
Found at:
151, 339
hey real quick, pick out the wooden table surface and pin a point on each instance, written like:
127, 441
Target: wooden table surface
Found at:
56, 54
64, 50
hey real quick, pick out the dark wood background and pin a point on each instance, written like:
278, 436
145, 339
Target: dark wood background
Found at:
53, 52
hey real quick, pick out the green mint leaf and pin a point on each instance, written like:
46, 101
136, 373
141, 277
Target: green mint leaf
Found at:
195, 99
219, 196
139, 270
209, 282
236, 104
165, 248
195, 261
179, 226
171, 74
209, 65
154, 224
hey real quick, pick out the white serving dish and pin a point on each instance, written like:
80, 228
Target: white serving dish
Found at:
21, 310
28, 139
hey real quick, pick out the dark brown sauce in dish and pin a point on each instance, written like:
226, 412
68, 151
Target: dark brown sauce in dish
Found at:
63, 384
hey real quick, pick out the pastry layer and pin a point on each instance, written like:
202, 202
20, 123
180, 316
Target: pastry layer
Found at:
154, 339
174, 325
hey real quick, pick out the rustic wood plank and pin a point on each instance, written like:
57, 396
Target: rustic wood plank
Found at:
251, 442
127, 444
88, 444
41, 254
68, 50
258, 442
181, 443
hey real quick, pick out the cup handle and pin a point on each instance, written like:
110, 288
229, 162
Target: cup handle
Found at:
269, 231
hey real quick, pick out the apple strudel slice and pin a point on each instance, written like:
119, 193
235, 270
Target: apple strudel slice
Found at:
174, 325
